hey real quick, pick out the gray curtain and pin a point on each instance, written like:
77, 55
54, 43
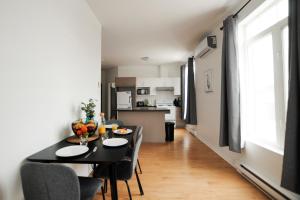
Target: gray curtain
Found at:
191, 108
182, 69
230, 131
291, 159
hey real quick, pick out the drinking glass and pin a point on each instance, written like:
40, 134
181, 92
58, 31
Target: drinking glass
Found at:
83, 140
104, 136
114, 127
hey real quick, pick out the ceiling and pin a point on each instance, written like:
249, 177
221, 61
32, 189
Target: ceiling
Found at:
166, 31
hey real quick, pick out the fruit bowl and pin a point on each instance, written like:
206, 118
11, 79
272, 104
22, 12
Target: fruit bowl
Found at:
78, 127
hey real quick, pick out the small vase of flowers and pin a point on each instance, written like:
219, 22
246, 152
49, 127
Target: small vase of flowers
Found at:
89, 109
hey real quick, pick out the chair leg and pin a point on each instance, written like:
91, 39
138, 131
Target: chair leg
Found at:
138, 162
103, 193
129, 193
139, 182
105, 185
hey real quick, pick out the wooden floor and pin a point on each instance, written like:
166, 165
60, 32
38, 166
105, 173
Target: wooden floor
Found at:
186, 169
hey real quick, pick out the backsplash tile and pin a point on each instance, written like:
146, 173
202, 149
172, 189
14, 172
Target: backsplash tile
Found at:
165, 95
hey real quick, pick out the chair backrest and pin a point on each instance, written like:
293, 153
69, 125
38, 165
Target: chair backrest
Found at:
136, 148
42, 181
138, 132
114, 121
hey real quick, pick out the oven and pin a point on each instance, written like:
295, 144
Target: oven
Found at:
169, 117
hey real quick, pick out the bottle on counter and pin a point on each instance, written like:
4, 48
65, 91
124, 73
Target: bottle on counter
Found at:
102, 129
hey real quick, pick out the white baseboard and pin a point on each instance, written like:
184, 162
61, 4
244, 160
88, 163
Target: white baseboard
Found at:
262, 183
236, 164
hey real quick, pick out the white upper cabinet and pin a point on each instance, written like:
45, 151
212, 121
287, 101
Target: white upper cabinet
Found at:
152, 83
177, 86
147, 82
171, 82
140, 82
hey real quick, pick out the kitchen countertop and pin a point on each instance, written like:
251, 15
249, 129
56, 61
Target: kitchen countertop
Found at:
145, 109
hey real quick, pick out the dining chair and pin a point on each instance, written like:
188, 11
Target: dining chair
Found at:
138, 162
109, 122
44, 181
120, 123
126, 167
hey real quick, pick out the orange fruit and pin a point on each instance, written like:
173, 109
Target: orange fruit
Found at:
79, 132
84, 129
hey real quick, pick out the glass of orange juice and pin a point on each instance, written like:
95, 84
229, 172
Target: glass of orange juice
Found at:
102, 130
102, 133
114, 127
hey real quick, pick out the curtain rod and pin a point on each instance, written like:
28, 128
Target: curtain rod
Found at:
234, 16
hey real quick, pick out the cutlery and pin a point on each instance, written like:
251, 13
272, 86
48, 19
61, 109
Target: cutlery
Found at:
94, 150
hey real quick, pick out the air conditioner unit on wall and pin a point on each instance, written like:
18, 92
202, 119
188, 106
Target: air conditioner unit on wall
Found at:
209, 42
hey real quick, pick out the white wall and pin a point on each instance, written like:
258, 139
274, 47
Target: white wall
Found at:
138, 71
262, 161
169, 70
50, 57
208, 104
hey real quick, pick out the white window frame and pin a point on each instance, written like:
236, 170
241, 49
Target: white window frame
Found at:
276, 31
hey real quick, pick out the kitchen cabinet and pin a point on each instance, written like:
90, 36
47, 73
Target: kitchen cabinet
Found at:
152, 83
152, 90
166, 82
147, 82
171, 82
177, 86
140, 82
125, 81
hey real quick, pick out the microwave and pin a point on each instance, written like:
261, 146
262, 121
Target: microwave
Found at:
143, 91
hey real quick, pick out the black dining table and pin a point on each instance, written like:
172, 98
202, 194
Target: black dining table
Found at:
104, 155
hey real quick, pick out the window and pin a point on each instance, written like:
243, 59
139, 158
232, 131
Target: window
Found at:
263, 63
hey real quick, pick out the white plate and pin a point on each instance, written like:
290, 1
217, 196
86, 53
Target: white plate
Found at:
115, 142
119, 133
110, 126
73, 150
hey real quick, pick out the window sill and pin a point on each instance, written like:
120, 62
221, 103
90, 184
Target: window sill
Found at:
274, 149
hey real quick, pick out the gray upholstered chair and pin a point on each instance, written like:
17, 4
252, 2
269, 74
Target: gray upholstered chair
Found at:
125, 168
120, 123
44, 181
